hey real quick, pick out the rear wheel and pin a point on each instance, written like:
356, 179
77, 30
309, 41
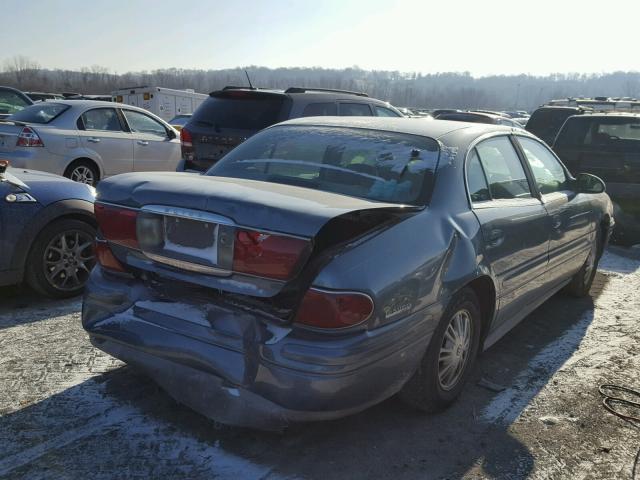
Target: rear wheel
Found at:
581, 282
83, 171
447, 362
61, 258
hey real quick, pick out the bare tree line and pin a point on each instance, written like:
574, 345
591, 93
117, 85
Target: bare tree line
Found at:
454, 90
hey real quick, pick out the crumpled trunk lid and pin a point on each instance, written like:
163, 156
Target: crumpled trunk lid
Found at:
261, 205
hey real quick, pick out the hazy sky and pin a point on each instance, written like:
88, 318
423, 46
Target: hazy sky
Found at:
480, 36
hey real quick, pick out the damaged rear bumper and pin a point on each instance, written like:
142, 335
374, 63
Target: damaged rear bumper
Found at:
240, 368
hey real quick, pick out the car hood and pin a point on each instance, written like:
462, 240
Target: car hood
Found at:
48, 187
269, 206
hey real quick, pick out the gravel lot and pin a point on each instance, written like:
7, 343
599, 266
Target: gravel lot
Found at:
70, 411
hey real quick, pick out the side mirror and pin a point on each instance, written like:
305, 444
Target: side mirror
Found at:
587, 183
171, 134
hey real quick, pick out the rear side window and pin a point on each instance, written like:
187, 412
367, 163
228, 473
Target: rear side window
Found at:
574, 132
320, 110
385, 112
40, 113
545, 123
355, 110
375, 165
141, 123
549, 174
616, 133
461, 117
503, 168
476, 180
240, 111
105, 119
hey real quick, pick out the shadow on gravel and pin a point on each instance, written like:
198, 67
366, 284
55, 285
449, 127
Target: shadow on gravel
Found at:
387, 441
20, 305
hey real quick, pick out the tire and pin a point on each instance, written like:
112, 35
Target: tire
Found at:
426, 390
581, 282
61, 245
83, 171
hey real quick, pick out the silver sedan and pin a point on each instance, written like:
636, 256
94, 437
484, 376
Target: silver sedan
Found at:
88, 140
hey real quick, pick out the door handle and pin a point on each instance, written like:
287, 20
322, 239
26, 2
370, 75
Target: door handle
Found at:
143, 142
93, 140
495, 238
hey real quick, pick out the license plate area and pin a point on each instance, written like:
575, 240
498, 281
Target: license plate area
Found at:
187, 239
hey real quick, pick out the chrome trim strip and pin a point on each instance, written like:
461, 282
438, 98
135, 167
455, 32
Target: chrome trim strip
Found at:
193, 267
188, 214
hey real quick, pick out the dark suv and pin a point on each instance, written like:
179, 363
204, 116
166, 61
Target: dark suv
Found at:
608, 145
231, 115
546, 122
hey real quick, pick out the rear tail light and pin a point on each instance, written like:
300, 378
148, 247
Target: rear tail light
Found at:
106, 258
325, 309
255, 253
266, 255
117, 224
186, 142
29, 138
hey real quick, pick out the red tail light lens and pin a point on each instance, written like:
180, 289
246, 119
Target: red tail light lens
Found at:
265, 255
186, 144
186, 138
118, 225
106, 258
29, 138
324, 309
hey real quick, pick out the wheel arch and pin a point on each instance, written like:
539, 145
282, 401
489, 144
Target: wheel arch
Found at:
64, 209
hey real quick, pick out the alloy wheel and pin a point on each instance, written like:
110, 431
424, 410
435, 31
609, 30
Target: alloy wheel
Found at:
68, 260
82, 174
454, 351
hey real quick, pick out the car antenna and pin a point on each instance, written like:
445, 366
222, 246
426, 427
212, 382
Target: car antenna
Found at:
249, 80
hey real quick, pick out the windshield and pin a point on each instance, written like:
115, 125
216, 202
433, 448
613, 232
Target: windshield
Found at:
375, 165
42, 112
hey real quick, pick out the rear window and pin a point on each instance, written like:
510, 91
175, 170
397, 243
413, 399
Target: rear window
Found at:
375, 165
11, 102
239, 110
40, 112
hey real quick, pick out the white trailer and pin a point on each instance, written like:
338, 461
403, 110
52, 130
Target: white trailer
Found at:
164, 102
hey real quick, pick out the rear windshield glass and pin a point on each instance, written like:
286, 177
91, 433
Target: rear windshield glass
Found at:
375, 165
243, 111
11, 102
42, 112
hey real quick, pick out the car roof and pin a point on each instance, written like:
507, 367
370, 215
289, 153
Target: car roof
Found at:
308, 94
610, 114
92, 103
432, 128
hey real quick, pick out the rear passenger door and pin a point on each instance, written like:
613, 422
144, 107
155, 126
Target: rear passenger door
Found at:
572, 218
514, 224
153, 148
101, 132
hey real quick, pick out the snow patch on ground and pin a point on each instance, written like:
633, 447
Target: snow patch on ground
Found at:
578, 349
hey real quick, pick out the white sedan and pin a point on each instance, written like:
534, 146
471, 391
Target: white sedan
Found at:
88, 140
